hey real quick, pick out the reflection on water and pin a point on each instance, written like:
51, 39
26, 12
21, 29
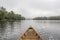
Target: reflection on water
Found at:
8, 30
47, 29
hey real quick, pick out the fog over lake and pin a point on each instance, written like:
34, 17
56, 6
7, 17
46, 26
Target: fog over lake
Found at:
44, 10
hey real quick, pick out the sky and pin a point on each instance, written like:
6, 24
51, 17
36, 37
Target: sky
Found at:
32, 8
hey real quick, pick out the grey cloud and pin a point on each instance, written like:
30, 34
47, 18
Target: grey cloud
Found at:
46, 7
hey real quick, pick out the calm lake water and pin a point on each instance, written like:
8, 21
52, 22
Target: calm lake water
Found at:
47, 29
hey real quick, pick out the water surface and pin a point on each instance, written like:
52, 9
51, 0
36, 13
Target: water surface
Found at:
47, 29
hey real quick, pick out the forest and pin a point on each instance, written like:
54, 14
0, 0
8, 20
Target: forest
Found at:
9, 16
47, 18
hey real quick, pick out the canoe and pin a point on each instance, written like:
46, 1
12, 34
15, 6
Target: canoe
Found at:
30, 34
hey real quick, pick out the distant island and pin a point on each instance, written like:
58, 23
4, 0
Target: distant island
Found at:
9, 16
47, 18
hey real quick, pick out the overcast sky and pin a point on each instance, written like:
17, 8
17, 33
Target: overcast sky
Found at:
33, 8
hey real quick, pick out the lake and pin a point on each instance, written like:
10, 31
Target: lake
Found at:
47, 29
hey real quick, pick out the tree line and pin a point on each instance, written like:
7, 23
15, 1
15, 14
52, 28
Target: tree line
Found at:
47, 18
9, 16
